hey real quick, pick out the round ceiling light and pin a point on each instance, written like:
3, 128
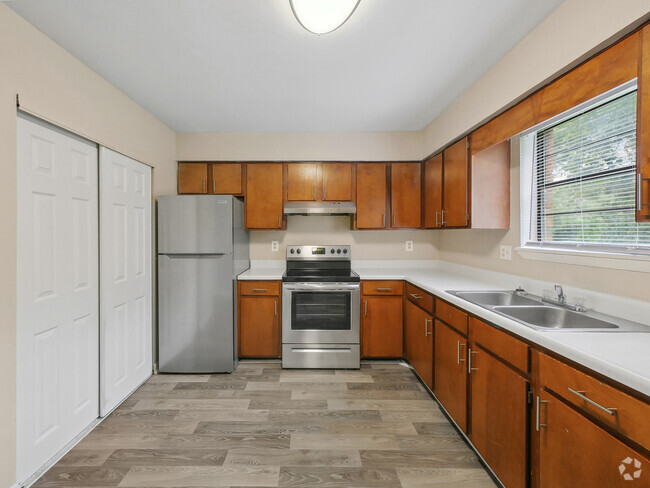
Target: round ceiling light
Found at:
323, 16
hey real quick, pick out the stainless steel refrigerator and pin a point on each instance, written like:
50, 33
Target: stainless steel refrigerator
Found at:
202, 247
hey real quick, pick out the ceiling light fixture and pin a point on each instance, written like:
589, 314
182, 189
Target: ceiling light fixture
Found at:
323, 16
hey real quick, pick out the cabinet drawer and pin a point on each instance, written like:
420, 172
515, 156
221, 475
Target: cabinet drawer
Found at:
453, 316
382, 287
259, 288
501, 344
419, 297
631, 417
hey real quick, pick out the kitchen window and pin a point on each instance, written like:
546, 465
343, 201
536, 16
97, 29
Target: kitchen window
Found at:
578, 179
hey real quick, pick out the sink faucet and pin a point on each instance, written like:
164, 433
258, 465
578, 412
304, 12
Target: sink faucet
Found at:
560, 294
561, 301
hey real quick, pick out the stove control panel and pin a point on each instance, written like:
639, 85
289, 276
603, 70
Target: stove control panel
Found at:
318, 252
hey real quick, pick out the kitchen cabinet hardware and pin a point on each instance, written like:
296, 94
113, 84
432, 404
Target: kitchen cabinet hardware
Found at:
442, 222
383, 220
365, 307
459, 345
279, 221
324, 192
394, 225
469, 360
537, 413
214, 186
260, 290
437, 218
314, 192
582, 394
416, 296
203, 185
275, 308
384, 289
426, 327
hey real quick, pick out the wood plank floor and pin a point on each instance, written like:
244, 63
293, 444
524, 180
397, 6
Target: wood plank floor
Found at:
267, 427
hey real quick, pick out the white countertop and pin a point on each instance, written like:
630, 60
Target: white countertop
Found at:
622, 356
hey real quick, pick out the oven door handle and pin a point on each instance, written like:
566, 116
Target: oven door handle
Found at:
320, 287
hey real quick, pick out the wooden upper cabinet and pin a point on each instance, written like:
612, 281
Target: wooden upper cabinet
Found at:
264, 205
192, 178
302, 182
337, 182
455, 185
372, 196
433, 191
227, 178
490, 187
406, 188
643, 129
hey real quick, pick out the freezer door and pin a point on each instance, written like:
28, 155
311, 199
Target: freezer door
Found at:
195, 314
195, 224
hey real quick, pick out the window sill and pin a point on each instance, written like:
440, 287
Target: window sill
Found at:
627, 262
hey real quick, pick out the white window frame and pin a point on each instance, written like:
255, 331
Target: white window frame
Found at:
598, 255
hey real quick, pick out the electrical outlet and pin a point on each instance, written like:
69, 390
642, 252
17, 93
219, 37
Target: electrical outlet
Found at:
506, 253
409, 246
275, 246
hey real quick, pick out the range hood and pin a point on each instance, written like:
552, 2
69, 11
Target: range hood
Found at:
320, 208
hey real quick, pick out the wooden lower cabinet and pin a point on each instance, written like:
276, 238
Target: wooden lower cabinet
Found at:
574, 452
451, 372
499, 413
418, 335
382, 326
260, 334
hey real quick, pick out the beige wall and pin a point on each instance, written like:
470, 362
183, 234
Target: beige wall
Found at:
56, 86
300, 146
572, 32
305, 230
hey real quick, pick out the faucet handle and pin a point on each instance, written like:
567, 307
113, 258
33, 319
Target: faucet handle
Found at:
560, 293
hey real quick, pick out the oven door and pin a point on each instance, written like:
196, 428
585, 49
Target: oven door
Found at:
320, 313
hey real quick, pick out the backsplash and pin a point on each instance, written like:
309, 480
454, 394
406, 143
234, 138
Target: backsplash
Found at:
333, 230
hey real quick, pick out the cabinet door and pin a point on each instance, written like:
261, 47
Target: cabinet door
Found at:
382, 327
419, 342
455, 185
574, 452
451, 372
406, 188
226, 178
259, 327
643, 130
302, 182
498, 417
264, 196
337, 182
433, 192
372, 199
192, 178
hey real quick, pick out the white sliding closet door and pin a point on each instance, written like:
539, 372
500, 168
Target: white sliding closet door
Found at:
57, 265
125, 270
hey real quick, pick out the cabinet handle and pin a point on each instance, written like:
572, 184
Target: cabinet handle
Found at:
203, 185
537, 414
214, 186
442, 221
279, 221
426, 327
275, 308
365, 307
261, 290
469, 361
384, 289
581, 394
383, 220
324, 192
437, 219
394, 220
458, 346
639, 192
314, 192
417, 297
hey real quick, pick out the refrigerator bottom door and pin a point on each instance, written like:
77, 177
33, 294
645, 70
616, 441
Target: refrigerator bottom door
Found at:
195, 314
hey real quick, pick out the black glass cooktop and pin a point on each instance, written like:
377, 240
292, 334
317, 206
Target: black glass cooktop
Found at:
321, 275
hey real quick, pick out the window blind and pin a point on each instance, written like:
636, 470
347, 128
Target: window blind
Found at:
584, 185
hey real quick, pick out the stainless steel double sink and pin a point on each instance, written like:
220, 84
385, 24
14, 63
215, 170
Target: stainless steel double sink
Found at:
531, 311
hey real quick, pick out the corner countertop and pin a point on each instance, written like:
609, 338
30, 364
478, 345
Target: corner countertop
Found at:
621, 356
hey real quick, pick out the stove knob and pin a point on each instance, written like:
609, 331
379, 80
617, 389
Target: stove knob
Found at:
338, 251
345, 251
292, 251
298, 251
332, 250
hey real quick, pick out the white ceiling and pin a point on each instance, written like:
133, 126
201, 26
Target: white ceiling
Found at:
248, 66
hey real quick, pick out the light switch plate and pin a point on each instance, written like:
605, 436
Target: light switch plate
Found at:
409, 246
506, 253
275, 245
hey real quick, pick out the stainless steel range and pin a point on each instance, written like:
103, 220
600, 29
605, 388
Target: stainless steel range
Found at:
320, 308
